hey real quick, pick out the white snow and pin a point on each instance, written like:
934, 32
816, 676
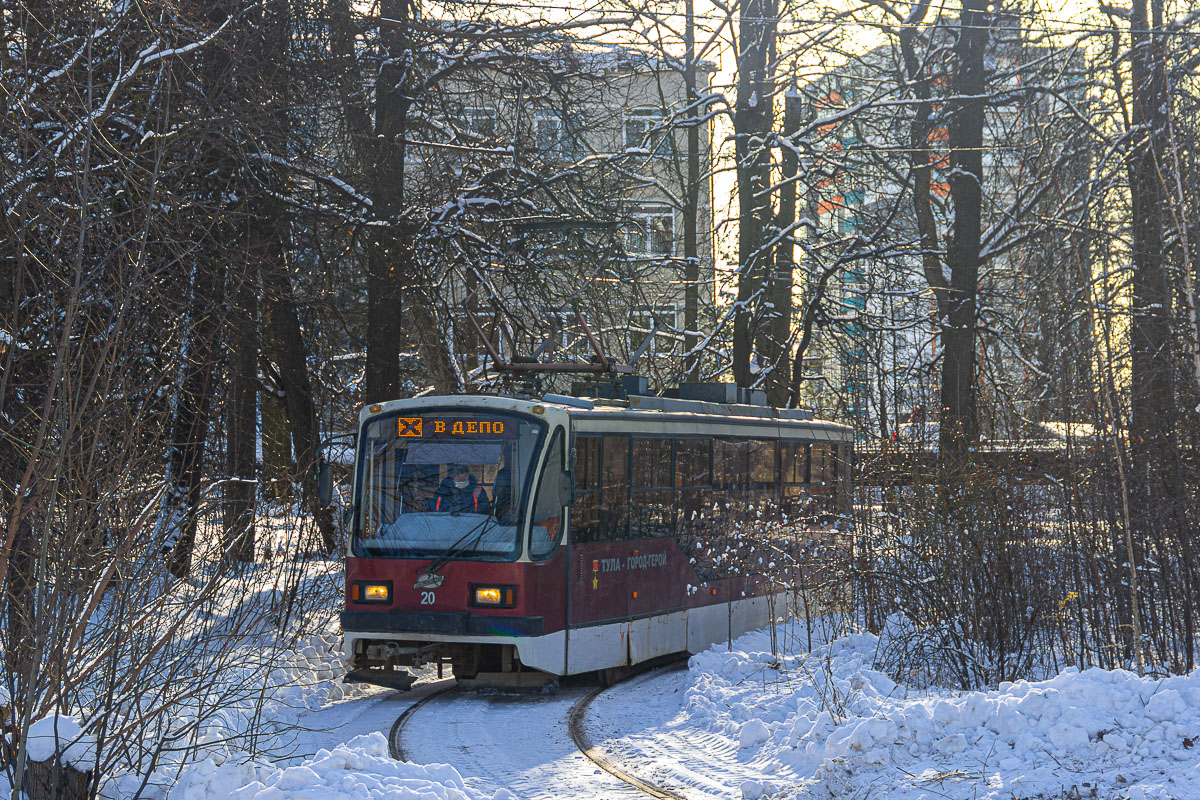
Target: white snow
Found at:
360, 768
765, 718
842, 727
60, 733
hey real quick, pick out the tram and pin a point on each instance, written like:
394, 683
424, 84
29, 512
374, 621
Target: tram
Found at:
517, 539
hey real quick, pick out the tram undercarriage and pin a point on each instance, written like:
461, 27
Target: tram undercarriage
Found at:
386, 663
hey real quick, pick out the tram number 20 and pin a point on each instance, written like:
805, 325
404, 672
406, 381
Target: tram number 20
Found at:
427, 598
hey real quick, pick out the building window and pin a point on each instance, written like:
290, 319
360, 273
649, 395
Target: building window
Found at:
480, 120
550, 136
570, 340
643, 131
556, 137
651, 231
814, 368
663, 321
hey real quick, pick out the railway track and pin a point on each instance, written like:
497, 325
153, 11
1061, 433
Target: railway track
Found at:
580, 737
395, 742
575, 728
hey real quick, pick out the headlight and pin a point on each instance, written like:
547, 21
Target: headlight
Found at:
488, 596
367, 592
494, 596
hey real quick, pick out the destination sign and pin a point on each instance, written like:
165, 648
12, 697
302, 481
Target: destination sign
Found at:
433, 426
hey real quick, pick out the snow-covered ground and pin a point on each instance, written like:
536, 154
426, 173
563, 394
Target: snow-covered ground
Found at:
826, 724
741, 722
781, 714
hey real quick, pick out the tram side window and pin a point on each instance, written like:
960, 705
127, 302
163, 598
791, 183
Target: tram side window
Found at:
762, 471
692, 467
730, 465
822, 464
585, 515
793, 457
844, 464
793, 468
651, 463
652, 504
547, 508
614, 499
601, 511
730, 479
587, 463
693, 490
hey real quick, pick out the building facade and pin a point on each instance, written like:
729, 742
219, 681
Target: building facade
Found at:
874, 363
590, 202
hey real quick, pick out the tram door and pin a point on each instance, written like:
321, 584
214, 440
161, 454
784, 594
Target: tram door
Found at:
657, 569
598, 584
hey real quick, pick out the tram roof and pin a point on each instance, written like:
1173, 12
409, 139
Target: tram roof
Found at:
716, 418
641, 414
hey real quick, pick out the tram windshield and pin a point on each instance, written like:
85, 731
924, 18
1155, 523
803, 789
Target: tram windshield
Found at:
445, 484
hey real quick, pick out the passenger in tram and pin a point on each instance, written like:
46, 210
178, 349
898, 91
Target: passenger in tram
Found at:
461, 493
502, 488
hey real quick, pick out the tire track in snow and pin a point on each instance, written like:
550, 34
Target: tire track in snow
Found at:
643, 730
520, 743
526, 743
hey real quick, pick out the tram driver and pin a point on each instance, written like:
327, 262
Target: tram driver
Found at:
461, 493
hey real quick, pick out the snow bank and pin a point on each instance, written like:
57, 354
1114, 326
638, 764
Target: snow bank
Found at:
245, 709
843, 727
360, 768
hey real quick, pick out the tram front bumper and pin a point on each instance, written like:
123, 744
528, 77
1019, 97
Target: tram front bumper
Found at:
418, 624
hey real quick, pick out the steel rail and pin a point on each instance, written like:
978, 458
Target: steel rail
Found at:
395, 749
580, 737
574, 727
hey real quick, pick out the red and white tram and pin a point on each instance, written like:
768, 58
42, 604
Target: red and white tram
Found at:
523, 538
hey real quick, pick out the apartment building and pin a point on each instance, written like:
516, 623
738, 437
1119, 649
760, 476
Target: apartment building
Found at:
601, 148
874, 361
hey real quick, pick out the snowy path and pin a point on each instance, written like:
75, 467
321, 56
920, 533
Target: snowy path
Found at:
640, 726
522, 744
519, 743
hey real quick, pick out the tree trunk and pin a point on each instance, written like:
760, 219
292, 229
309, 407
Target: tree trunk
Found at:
752, 121
241, 425
691, 209
18, 377
277, 458
922, 158
214, 181
291, 356
189, 430
431, 340
778, 383
390, 255
959, 424
1152, 408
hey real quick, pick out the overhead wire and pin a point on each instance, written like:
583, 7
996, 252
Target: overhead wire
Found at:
1050, 24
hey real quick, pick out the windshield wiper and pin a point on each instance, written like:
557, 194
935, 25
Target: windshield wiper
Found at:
458, 547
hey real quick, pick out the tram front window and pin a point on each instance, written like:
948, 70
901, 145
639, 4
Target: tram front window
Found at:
444, 484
